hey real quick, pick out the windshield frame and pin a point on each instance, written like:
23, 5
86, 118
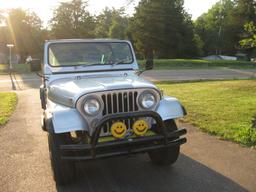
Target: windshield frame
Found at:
89, 65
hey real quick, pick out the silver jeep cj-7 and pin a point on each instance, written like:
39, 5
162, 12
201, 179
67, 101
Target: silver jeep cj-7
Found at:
96, 106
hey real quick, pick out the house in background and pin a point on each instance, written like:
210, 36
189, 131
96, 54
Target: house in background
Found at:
220, 57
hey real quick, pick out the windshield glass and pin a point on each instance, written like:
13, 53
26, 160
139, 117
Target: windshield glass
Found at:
89, 53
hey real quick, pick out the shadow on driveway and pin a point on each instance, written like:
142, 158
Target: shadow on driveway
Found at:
31, 80
137, 174
15, 83
19, 82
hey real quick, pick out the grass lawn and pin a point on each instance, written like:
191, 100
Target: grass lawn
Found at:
18, 68
163, 64
7, 106
223, 108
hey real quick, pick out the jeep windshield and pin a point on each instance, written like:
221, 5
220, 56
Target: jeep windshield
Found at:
89, 53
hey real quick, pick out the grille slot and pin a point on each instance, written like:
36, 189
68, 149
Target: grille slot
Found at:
119, 102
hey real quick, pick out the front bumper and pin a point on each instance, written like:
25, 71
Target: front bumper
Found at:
96, 150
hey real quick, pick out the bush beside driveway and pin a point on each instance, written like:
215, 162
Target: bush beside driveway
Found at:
7, 106
21, 68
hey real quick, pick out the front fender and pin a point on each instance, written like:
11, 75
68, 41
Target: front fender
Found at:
66, 119
170, 108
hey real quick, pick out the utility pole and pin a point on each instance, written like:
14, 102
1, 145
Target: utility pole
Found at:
220, 27
10, 46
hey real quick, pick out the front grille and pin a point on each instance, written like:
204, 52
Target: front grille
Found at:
119, 102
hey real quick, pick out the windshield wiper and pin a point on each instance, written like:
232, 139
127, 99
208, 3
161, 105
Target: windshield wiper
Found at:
86, 65
122, 61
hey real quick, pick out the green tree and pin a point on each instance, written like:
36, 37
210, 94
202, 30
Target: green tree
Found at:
250, 40
111, 23
199, 44
162, 29
221, 28
216, 29
24, 30
118, 28
103, 23
245, 17
244, 11
72, 20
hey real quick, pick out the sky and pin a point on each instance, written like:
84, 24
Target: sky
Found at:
44, 8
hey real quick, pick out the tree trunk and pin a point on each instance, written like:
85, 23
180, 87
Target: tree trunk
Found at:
149, 58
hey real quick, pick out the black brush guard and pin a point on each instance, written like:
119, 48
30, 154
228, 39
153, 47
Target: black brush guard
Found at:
96, 150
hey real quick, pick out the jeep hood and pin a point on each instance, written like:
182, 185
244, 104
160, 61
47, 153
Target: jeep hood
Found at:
66, 91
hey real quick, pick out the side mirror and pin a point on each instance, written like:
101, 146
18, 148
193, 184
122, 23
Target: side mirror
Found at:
35, 65
149, 64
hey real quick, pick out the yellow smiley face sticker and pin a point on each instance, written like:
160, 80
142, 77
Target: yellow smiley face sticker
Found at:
118, 130
140, 127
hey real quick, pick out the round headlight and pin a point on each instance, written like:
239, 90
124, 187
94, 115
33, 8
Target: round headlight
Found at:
147, 100
92, 106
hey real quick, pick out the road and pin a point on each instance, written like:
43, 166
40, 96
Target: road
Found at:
200, 74
205, 164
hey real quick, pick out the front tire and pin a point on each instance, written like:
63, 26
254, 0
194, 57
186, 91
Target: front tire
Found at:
63, 171
166, 156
